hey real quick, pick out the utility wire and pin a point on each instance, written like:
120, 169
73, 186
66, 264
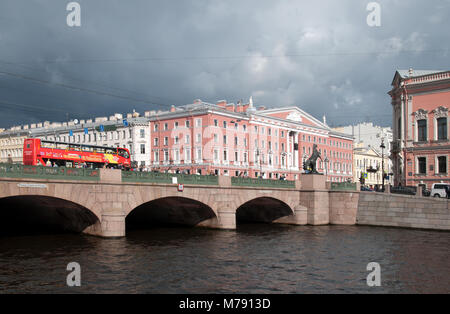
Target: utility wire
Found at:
82, 89
86, 81
193, 58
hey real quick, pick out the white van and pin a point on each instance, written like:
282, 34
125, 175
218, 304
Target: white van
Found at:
438, 190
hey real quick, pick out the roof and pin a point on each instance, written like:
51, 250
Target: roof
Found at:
405, 73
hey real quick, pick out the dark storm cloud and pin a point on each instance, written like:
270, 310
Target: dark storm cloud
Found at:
321, 56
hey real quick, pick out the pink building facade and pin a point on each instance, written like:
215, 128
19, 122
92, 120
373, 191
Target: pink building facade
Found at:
421, 147
240, 140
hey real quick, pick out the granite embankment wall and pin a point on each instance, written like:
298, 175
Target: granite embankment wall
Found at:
380, 209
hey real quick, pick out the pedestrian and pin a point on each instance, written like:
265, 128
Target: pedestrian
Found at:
10, 160
447, 190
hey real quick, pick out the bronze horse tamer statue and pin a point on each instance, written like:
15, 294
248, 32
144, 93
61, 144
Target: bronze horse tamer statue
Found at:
310, 164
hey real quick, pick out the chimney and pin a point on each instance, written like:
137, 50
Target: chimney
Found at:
222, 103
230, 107
172, 109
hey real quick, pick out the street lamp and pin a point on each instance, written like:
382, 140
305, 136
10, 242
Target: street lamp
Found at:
382, 161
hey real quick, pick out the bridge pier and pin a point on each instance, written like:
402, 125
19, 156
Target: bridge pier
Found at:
300, 217
226, 219
112, 225
314, 195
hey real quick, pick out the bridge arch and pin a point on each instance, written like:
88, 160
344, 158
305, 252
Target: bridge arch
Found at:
25, 214
262, 209
169, 210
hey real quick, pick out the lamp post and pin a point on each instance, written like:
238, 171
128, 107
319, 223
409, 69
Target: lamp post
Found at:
326, 167
382, 161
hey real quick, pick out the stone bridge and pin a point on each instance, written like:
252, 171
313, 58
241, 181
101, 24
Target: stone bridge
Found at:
106, 202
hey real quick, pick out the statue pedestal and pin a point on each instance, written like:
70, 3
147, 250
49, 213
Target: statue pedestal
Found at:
314, 196
313, 182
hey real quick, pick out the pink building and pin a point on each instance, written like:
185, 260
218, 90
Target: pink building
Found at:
421, 147
240, 140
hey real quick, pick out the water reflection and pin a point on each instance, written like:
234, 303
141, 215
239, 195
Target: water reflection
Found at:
255, 258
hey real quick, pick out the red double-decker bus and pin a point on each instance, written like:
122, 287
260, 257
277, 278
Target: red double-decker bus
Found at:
49, 153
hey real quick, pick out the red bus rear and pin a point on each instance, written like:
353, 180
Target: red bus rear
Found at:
48, 153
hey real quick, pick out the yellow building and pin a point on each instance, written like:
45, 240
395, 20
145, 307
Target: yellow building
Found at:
11, 146
367, 162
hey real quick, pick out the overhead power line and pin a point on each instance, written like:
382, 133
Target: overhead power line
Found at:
82, 89
193, 58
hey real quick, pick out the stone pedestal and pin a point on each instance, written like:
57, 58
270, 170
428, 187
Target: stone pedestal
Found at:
314, 196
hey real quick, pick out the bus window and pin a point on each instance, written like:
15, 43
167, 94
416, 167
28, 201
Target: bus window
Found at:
123, 153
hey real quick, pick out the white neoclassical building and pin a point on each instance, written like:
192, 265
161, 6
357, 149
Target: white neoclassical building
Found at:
130, 132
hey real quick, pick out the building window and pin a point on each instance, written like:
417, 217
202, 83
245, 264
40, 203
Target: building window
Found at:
225, 155
187, 139
442, 128
442, 164
199, 154
156, 156
224, 124
166, 126
142, 149
235, 140
236, 156
198, 122
216, 122
176, 140
155, 128
244, 127
142, 133
199, 138
422, 165
155, 141
166, 141
422, 130
215, 138
186, 124
175, 125
225, 139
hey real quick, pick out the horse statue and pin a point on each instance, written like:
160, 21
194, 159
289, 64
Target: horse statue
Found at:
310, 165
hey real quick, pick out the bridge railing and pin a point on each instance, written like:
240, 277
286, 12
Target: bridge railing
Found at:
42, 172
167, 178
344, 186
266, 183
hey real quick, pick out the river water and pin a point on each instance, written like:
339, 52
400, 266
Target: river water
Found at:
255, 258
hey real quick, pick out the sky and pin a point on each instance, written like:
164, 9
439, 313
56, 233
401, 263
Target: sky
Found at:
321, 56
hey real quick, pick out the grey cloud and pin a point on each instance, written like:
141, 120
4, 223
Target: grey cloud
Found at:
321, 56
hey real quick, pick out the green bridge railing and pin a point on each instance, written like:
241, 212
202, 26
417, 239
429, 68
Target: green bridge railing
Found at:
63, 173
42, 172
166, 178
343, 186
264, 183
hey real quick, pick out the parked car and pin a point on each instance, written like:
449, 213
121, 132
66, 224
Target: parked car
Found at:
438, 190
